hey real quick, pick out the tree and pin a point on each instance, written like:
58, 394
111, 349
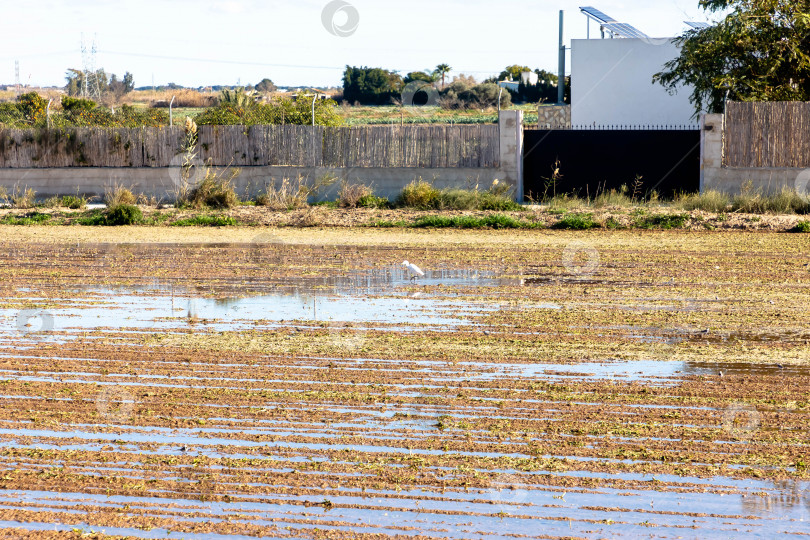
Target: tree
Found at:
370, 86
420, 76
512, 73
442, 70
759, 52
238, 98
129, 82
75, 82
266, 85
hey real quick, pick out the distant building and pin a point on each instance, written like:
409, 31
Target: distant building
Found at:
611, 84
509, 85
529, 78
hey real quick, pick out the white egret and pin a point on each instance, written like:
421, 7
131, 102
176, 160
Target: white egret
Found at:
414, 270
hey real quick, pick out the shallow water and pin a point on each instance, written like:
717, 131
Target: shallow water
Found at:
390, 418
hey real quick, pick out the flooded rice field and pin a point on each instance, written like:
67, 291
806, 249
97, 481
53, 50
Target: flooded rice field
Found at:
302, 385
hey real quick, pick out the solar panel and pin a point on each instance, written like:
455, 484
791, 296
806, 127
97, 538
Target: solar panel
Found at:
624, 30
596, 14
698, 25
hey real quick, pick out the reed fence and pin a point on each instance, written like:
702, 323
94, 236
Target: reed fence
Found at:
474, 146
767, 134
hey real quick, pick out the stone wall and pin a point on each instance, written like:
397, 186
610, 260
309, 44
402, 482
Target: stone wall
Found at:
553, 116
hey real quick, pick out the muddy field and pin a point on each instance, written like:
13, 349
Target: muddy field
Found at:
163, 383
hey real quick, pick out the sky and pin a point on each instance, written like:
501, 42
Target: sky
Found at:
303, 42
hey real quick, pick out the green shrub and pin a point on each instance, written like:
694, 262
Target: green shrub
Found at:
802, 227
496, 221
33, 218
76, 105
73, 202
124, 214
11, 115
372, 201
419, 194
661, 221
247, 112
92, 218
33, 108
500, 203
578, 222
205, 221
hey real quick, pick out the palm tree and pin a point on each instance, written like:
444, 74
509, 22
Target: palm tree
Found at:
238, 97
442, 69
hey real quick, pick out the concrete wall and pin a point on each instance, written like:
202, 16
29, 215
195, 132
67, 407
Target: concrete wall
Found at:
160, 183
387, 182
611, 84
510, 125
713, 176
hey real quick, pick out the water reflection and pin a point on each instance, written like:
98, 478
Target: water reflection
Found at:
788, 496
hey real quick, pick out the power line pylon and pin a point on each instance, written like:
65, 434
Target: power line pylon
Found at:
91, 89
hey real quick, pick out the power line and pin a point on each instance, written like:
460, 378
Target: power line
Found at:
243, 63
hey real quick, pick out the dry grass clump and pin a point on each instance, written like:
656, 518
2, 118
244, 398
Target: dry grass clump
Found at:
22, 198
117, 195
424, 196
182, 98
419, 194
309, 217
213, 191
787, 201
710, 201
353, 195
291, 195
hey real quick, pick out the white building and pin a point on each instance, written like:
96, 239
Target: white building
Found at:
611, 84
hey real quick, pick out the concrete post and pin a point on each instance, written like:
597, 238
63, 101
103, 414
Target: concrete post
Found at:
510, 127
711, 151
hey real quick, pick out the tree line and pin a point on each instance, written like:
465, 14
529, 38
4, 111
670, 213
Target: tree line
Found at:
378, 86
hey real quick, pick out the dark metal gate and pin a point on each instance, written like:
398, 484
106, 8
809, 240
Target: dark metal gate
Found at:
593, 161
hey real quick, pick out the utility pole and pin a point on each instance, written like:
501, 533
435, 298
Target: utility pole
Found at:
561, 69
